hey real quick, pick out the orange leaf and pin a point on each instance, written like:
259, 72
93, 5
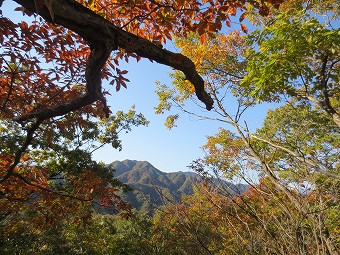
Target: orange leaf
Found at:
203, 38
23, 25
244, 28
147, 6
243, 16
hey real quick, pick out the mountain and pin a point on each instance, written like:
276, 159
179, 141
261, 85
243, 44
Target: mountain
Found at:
152, 187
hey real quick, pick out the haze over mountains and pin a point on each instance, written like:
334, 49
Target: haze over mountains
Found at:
152, 187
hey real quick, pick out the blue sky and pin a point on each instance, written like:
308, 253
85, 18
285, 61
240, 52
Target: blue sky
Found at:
167, 150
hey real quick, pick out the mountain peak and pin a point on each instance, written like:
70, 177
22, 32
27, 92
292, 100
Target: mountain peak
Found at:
128, 165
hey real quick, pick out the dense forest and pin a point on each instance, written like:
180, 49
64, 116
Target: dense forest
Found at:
235, 56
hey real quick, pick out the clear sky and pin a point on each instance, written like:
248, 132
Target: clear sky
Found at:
167, 150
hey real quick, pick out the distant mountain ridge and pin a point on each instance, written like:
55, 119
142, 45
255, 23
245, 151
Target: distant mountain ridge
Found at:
152, 187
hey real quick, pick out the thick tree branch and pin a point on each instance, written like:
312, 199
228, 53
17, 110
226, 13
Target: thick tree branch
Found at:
99, 31
95, 62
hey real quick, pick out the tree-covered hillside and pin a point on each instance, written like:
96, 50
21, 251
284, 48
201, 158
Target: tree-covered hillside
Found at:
152, 187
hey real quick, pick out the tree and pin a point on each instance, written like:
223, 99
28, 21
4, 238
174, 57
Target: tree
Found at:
102, 234
59, 180
296, 149
300, 58
188, 227
231, 67
254, 222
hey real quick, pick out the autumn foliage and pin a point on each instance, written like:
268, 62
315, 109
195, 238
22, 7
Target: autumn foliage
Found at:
60, 60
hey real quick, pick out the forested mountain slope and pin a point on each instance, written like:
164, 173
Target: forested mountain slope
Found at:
152, 187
